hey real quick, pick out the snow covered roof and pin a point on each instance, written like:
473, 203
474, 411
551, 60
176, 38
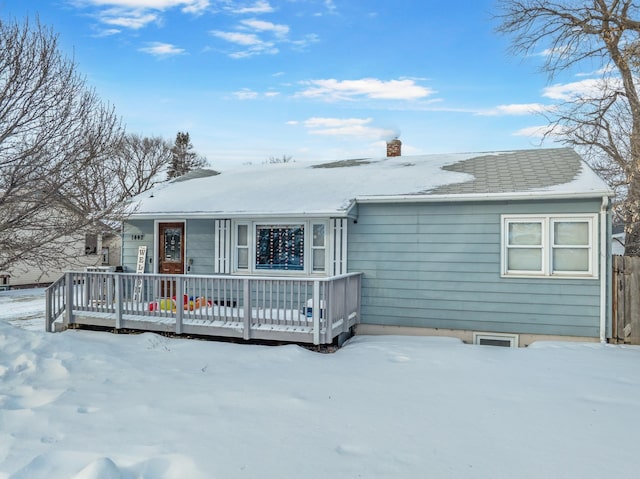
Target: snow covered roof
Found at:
333, 188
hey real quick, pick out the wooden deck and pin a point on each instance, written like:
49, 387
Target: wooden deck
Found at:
266, 308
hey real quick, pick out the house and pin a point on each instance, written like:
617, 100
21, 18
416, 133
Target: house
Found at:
84, 250
495, 248
51, 230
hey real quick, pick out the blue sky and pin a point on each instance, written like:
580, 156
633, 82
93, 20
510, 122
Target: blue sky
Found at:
311, 79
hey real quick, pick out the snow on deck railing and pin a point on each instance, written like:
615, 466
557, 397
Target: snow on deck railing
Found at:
251, 307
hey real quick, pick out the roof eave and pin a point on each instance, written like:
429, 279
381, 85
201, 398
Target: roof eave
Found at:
241, 215
542, 195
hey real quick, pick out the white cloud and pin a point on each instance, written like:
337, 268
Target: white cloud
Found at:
330, 5
256, 45
133, 20
248, 94
245, 94
108, 32
534, 131
136, 14
262, 26
261, 36
332, 89
556, 51
593, 87
330, 8
350, 127
601, 71
258, 7
264, 36
516, 109
198, 5
244, 39
305, 41
162, 49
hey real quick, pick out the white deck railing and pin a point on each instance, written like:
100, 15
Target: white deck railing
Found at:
314, 310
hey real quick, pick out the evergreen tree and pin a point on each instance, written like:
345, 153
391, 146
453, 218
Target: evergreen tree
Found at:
183, 158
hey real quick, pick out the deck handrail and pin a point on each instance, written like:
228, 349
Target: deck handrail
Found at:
312, 309
55, 303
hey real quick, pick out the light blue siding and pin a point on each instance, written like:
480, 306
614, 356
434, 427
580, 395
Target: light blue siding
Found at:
438, 266
200, 246
132, 231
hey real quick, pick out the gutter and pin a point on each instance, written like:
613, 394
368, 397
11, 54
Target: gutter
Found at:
187, 215
479, 197
604, 273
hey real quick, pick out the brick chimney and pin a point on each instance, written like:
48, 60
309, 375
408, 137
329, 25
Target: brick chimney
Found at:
393, 147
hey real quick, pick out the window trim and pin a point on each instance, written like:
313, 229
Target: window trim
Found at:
548, 245
308, 225
237, 247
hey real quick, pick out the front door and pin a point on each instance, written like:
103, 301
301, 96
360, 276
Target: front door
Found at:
171, 253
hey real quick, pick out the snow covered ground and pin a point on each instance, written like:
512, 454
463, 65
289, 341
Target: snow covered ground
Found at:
94, 405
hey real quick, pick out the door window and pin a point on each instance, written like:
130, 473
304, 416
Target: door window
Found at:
173, 244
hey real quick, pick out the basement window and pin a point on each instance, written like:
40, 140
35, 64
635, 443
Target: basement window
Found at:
496, 339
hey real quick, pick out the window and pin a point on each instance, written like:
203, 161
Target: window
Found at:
242, 246
548, 245
90, 244
280, 247
524, 246
571, 246
318, 248
296, 247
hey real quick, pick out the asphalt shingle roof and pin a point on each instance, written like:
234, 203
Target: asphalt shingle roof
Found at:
514, 171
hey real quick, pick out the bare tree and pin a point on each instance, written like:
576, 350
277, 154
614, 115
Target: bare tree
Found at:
132, 167
184, 159
53, 132
282, 159
604, 122
140, 161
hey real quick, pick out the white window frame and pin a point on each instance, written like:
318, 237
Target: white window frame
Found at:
548, 244
237, 247
313, 248
307, 250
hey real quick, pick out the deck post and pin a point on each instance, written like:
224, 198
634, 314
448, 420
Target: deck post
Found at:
359, 296
329, 297
68, 317
179, 304
345, 305
315, 305
118, 297
247, 308
47, 310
